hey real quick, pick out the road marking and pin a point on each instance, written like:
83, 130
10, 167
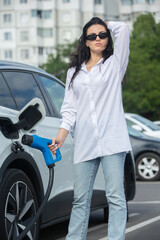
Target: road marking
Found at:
145, 202
143, 224
97, 227
151, 182
140, 225
133, 215
105, 224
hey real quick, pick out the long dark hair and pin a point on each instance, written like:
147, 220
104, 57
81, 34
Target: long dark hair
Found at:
82, 53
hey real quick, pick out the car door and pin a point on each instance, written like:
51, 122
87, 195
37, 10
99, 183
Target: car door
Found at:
23, 88
7, 110
63, 183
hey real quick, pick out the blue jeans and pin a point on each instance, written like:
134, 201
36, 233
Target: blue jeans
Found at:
84, 176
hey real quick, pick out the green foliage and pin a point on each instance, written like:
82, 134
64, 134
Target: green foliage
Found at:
57, 64
141, 93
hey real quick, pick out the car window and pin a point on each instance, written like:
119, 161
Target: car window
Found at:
135, 133
129, 123
132, 124
147, 122
55, 91
23, 87
6, 99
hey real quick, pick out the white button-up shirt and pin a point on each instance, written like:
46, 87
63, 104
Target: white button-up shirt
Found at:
93, 105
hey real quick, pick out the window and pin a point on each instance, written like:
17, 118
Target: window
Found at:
126, 17
22, 95
66, 1
146, 122
8, 36
6, 99
40, 50
24, 53
126, 2
8, 54
7, 2
45, 32
39, 13
98, 1
34, 13
23, 1
7, 18
45, 14
139, 1
55, 91
24, 36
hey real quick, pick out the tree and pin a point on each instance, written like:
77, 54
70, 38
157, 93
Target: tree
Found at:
57, 64
142, 90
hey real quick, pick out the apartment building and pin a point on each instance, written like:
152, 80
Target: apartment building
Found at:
30, 29
129, 10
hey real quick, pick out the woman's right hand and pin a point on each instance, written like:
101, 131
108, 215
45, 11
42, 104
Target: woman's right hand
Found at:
59, 140
55, 142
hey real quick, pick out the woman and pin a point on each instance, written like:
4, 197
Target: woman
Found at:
93, 108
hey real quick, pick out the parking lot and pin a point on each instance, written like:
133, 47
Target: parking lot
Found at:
143, 224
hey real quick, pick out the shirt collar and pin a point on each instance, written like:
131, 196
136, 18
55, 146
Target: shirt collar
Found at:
83, 66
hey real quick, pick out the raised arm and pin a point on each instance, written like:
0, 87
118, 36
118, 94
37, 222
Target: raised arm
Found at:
121, 35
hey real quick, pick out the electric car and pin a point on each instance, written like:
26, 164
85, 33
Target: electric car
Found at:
23, 172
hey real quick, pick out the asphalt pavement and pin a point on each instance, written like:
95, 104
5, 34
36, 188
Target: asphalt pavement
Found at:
143, 224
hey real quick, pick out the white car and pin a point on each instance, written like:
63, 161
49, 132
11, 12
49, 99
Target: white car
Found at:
142, 124
23, 172
157, 123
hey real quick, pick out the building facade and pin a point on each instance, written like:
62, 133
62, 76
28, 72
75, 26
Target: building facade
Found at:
129, 10
30, 29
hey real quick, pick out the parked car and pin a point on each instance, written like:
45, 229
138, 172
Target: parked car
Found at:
146, 152
23, 174
157, 123
142, 124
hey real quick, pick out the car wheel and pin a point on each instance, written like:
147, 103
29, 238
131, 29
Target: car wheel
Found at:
17, 206
148, 167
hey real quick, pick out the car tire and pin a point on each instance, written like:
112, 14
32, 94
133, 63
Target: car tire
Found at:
18, 205
148, 167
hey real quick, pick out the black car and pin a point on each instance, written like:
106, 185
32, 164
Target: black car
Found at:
146, 151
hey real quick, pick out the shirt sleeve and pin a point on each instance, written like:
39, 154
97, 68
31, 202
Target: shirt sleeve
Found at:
69, 106
121, 35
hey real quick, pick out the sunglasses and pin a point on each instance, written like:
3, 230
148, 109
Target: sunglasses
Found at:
93, 36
